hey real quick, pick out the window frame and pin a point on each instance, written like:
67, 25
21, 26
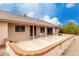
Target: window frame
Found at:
19, 28
42, 29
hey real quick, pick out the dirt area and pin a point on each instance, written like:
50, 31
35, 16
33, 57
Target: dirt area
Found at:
73, 50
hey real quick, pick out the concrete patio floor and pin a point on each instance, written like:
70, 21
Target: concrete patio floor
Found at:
40, 43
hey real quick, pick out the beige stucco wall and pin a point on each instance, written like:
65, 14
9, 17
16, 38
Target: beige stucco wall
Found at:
57, 30
53, 30
37, 31
19, 36
45, 31
3, 32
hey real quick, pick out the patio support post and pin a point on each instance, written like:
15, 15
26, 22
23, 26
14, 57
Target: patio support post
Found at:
53, 30
45, 31
33, 31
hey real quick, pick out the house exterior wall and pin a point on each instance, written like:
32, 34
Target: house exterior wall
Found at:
37, 31
45, 31
57, 30
53, 30
3, 32
19, 36
45, 34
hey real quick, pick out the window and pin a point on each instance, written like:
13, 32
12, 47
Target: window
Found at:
19, 28
35, 30
31, 30
42, 29
56, 30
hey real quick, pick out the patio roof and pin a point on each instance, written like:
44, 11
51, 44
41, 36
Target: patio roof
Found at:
14, 18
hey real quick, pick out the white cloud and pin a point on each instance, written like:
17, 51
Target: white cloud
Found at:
35, 10
20, 8
54, 20
47, 18
69, 5
27, 7
73, 21
30, 14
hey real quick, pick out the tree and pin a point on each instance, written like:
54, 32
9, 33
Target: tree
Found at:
77, 30
70, 28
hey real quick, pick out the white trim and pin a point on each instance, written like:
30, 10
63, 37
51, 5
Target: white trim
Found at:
33, 31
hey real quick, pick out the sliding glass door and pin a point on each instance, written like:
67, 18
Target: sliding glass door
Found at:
49, 31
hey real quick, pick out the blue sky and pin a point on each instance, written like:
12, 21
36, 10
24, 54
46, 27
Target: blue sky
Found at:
56, 13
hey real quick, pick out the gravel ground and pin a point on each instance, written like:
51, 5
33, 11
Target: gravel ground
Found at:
73, 50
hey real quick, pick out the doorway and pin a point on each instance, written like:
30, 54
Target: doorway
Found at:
31, 30
49, 31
